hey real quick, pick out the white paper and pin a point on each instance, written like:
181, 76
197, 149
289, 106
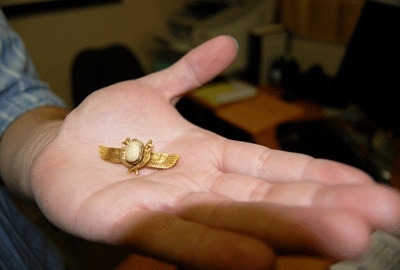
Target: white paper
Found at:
384, 254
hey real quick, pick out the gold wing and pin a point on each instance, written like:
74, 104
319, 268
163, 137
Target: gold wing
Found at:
162, 161
110, 154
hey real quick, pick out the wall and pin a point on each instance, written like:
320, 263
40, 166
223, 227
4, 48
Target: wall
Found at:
53, 39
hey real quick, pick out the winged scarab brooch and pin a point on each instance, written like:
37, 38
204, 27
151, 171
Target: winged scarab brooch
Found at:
135, 155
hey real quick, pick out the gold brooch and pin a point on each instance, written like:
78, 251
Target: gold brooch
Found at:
134, 155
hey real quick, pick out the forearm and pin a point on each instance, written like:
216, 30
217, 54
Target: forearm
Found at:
22, 142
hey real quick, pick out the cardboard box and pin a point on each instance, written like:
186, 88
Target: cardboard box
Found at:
349, 17
323, 20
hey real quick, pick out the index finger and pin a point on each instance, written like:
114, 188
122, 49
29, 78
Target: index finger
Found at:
276, 165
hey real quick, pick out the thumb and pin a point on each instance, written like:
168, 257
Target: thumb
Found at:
197, 67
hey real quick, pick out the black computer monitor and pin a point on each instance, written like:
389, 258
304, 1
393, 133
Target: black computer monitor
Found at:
370, 72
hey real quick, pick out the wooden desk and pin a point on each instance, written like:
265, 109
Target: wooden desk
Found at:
260, 115
256, 116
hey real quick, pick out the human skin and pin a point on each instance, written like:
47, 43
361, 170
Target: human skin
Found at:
225, 205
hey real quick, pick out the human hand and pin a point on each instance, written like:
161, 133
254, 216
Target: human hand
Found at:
225, 205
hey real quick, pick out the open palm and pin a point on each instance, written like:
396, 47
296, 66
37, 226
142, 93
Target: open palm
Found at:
225, 203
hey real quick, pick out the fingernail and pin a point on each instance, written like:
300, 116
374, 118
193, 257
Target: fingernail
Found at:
236, 42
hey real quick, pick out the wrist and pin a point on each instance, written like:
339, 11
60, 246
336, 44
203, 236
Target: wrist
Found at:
39, 139
22, 143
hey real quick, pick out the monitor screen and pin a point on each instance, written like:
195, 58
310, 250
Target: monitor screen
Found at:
370, 72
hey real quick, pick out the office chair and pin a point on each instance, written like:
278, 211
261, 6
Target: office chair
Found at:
95, 68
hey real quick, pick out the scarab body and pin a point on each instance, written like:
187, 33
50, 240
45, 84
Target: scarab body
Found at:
135, 155
133, 151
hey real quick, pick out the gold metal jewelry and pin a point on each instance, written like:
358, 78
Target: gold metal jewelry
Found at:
134, 155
